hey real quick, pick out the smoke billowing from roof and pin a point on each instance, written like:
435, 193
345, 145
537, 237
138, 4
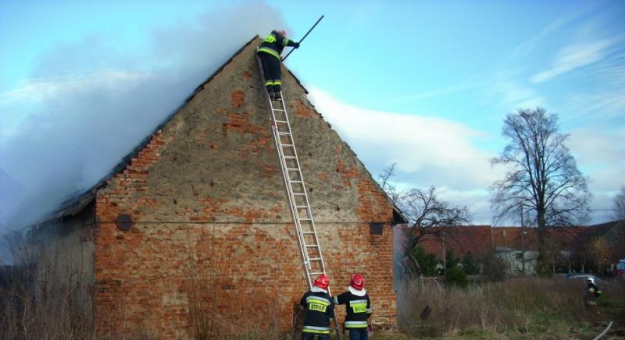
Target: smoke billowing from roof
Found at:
89, 103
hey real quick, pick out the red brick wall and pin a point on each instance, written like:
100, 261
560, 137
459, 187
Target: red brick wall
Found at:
213, 238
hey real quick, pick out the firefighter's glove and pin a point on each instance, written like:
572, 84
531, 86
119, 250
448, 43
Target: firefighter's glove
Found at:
296, 45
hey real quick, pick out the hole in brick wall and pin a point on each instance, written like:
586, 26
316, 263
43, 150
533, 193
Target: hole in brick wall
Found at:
124, 222
310, 154
337, 170
338, 208
175, 201
310, 189
376, 228
174, 159
212, 184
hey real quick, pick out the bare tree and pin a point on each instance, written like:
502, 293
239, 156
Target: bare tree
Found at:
427, 214
619, 205
542, 176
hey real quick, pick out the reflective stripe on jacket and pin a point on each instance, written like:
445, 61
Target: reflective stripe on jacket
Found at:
274, 44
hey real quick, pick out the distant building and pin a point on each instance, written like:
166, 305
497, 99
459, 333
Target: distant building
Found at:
566, 246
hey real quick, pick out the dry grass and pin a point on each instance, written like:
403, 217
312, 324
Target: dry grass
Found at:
528, 308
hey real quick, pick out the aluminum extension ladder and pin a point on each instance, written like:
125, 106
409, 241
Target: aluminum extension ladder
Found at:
310, 248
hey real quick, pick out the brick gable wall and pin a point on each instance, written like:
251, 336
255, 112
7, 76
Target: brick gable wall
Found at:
213, 243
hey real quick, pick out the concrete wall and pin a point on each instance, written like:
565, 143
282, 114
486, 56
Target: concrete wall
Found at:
214, 238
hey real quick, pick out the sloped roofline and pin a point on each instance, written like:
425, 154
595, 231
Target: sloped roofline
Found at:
76, 204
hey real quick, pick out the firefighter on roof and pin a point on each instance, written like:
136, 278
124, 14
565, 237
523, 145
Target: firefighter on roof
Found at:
319, 310
358, 307
269, 54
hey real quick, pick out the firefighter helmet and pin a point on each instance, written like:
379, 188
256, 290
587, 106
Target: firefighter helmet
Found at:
357, 282
322, 282
283, 32
591, 280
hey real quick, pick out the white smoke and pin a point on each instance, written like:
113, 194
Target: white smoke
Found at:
88, 103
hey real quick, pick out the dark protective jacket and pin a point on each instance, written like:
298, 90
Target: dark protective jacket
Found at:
592, 294
274, 44
319, 311
358, 309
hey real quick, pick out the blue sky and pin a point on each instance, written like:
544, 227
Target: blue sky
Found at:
425, 84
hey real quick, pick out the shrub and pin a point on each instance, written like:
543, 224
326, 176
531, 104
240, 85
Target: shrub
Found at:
469, 264
456, 276
495, 268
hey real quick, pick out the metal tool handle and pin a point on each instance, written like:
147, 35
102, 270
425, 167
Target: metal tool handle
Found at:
305, 35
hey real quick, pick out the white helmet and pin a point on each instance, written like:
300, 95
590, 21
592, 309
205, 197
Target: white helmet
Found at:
591, 280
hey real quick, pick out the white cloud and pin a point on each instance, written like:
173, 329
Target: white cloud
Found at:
575, 56
593, 146
514, 95
39, 90
428, 151
601, 155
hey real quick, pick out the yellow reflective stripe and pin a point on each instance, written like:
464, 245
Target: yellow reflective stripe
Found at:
268, 83
270, 38
285, 41
315, 331
321, 302
355, 324
270, 51
277, 82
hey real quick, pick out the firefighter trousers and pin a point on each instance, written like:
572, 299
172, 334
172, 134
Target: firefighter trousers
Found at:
271, 72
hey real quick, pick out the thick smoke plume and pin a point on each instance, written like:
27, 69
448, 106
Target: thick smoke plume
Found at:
88, 103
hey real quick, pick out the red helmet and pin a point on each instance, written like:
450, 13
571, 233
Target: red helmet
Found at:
283, 32
358, 282
322, 282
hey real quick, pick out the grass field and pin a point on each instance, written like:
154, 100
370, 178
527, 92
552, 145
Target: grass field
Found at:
516, 309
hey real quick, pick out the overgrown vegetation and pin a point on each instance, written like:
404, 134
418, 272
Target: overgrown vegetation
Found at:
527, 308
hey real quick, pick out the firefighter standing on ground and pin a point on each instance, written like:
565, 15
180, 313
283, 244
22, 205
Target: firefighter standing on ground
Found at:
319, 310
592, 292
269, 54
358, 307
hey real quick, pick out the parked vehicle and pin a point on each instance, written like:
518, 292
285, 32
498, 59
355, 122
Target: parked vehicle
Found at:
620, 268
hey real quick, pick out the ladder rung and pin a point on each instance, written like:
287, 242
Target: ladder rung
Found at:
292, 169
278, 110
281, 121
308, 232
284, 133
312, 246
301, 206
316, 273
305, 219
299, 194
290, 157
284, 144
315, 259
295, 181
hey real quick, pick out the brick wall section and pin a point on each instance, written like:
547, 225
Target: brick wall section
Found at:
213, 238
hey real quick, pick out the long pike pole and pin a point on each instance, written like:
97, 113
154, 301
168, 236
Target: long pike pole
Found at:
305, 35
